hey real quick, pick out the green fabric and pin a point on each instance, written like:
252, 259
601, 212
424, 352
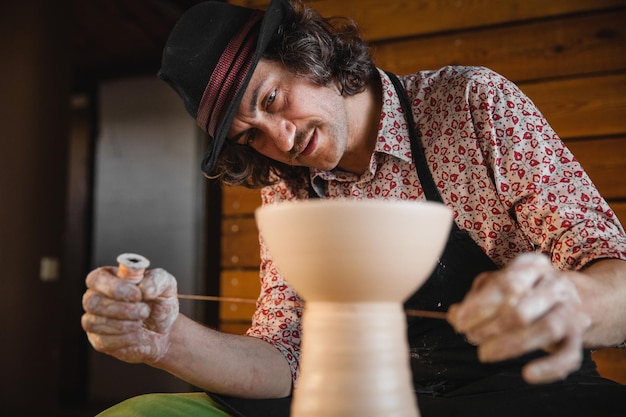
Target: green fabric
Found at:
196, 404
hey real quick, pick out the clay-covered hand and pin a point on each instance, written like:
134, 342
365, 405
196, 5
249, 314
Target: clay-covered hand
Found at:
130, 322
528, 305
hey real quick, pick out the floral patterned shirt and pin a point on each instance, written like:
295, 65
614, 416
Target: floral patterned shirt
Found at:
509, 179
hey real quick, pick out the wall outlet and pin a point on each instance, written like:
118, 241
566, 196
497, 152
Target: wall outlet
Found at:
49, 269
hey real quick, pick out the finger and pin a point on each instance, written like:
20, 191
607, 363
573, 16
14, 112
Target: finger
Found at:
98, 304
107, 326
549, 291
498, 289
104, 280
124, 348
480, 279
478, 306
547, 332
109, 343
525, 272
139, 353
158, 283
134, 348
565, 360
163, 313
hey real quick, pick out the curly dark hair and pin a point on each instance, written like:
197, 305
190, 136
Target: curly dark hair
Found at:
327, 51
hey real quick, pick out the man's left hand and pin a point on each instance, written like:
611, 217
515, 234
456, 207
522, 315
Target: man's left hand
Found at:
528, 305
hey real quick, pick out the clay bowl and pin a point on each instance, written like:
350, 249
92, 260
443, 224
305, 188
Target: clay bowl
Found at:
355, 250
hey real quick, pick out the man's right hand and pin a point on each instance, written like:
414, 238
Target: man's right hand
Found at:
128, 321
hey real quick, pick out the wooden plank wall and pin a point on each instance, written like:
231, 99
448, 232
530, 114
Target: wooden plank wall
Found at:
568, 56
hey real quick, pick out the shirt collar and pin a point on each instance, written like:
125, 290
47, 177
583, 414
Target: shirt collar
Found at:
392, 135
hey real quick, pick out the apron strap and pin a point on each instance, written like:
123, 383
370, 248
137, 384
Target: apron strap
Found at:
423, 172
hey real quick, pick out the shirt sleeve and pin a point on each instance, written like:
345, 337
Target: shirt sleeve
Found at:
550, 195
277, 319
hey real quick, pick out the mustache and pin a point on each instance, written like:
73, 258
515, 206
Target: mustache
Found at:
299, 141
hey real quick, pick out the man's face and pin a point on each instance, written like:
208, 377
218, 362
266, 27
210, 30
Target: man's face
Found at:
291, 119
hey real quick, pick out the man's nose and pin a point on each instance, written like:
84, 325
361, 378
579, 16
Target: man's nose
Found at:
283, 134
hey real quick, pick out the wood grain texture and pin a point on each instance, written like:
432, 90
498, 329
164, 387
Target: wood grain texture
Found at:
611, 363
582, 107
570, 46
389, 19
243, 284
605, 162
240, 247
239, 201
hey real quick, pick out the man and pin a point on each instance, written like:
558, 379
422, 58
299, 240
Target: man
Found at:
533, 271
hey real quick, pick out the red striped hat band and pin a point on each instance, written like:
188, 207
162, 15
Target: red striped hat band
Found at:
230, 71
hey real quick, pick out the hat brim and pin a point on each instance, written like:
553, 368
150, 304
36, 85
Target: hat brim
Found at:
273, 17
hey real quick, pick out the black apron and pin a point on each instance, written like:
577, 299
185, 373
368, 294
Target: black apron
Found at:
448, 378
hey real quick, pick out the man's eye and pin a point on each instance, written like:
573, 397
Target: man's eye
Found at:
270, 98
249, 139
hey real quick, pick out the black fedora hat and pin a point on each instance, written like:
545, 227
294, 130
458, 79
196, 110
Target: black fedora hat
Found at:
209, 58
